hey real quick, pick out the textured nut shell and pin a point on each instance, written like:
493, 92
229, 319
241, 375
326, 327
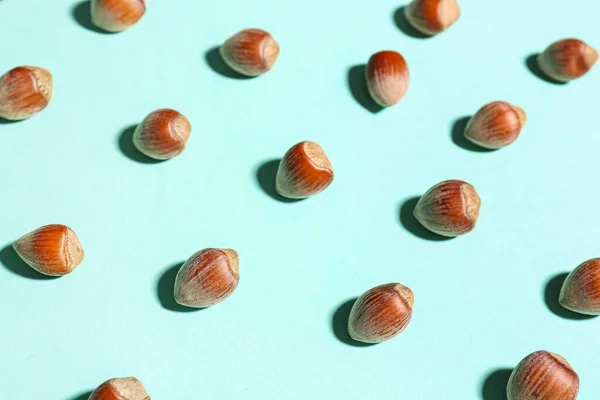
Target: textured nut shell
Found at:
163, 134
387, 78
581, 290
117, 15
543, 376
207, 278
496, 125
250, 52
567, 59
304, 171
53, 250
24, 92
450, 208
381, 313
120, 389
432, 16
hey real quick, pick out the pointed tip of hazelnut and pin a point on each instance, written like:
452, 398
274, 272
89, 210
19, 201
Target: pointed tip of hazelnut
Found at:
116, 15
129, 388
250, 52
496, 125
304, 171
581, 289
208, 277
234, 260
431, 17
52, 250
543, 375
163, 134
590, 56
24, 92
450, 208
387, 78
381, 313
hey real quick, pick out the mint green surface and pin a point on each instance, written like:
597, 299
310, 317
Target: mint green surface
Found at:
482, 301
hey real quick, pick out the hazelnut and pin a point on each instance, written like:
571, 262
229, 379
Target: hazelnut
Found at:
431, 17
567, 59
207, 278
387, 78
120, 389
581, 289
450, 208
117, 15
381, 313
496, 125
250, 52
163, 134
53, 250
304, 171
543, 376
24, 92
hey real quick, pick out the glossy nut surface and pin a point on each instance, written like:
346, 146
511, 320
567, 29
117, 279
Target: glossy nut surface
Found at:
304, 171
431, 17
450, 208
496, 125
381, 313
24, 92
581, 289
53, 250
567, 59
387, 78
121, 389
116, 15
543, 376
163, 134
207, 278
251, 52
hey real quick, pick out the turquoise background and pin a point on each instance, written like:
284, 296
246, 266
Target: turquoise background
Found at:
482, 301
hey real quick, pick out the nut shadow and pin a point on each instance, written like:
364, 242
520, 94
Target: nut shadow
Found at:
125, 142
406, 28
11, 260
216, 63
551, 295
81, 13
532, 65
265, 176
494, 385
165, 290
4, 121
410, 223
339, 324
82, 396
459, 139
358, 87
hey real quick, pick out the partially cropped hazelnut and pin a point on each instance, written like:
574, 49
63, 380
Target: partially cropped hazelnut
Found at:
543, 376
24, 92
381, 313
567, 59
581, 289
496, 125
450, 208
431, 17
121, 389
207, 278
163, 134
251, 52
304, 171
53, 250
387, 77
117, 15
